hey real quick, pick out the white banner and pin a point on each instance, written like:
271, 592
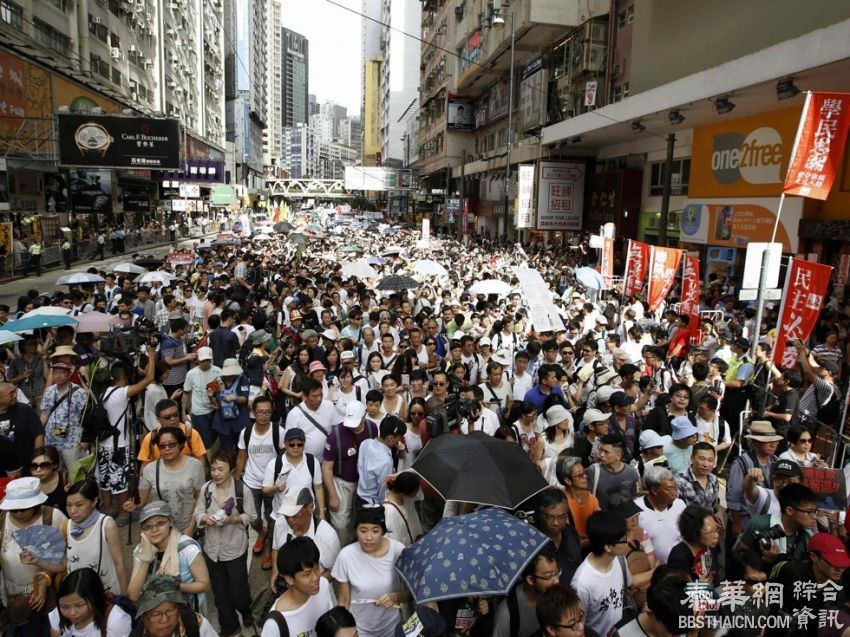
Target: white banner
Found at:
190, 191
426, 229
544, 315
560, 199
525, 209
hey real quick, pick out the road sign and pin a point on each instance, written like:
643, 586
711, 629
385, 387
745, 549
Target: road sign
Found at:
752, 265
770, 294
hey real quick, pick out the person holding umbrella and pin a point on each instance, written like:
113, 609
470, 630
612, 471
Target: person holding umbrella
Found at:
516, 615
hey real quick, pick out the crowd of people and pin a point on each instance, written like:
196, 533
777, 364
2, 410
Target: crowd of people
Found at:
261, 387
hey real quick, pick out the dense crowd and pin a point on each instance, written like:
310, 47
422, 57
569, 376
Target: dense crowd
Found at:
263, 386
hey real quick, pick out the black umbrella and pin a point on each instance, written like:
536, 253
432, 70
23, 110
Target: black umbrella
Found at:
298, 239
149, 262
282, 227
480, 469
398, 282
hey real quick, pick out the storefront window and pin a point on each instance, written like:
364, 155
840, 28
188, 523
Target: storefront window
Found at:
679, 182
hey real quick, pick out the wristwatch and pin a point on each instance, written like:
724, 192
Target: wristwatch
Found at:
93, 139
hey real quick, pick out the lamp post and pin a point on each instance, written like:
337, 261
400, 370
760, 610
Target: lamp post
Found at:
499, 21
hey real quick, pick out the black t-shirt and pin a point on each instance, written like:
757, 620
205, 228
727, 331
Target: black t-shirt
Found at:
21, 424
681, 557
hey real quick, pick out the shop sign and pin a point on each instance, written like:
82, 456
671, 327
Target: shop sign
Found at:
136, 203
222, 195
525, 194
190, 191
560, 196
736, 222
119, 142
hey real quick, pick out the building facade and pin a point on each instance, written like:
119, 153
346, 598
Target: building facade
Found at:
296, 71
273, 134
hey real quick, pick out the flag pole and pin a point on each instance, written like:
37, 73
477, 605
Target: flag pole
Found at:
797, 136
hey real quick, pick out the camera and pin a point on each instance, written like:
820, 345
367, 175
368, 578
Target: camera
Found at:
123, 343
765, 538
450, 415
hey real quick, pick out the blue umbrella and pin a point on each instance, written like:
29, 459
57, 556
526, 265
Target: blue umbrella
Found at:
482, 553
38, 322
390, 230
589, 278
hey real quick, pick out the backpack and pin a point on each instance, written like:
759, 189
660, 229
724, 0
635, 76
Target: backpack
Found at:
238, 487
96, 425
124, 603
246, 437
277, 617
311, 465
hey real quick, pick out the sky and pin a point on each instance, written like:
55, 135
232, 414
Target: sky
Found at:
334, 36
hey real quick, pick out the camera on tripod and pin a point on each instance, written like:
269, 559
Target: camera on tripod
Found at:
121, 344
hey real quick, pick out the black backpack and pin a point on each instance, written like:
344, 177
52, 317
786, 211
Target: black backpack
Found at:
96, 425
246, 437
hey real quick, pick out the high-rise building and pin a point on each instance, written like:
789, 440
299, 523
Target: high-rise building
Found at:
350, 133
371, 56
272, 135
296, 70
312, 105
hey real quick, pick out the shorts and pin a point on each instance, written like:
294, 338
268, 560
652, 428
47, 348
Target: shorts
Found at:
113, 476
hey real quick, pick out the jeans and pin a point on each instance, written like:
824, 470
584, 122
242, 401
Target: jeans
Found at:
231, 590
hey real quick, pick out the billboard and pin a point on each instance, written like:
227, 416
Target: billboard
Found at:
460, 113
377, 178
560, 196
119, 142
91, 190
533, 94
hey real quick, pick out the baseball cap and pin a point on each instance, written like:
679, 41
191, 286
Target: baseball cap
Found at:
294, 500
484, 340
604, 394
787, 468
593, 415
621, 353
601, 319
295, 315
830, 548
354, 412
683, 428
347, 355
295, 433
649, 439
205, 353
743, 343
829, 366
329, 334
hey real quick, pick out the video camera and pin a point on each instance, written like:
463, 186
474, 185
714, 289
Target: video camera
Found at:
450, 415
120, 344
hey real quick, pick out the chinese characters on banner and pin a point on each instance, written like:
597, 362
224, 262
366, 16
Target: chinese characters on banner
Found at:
607, 263
560, 196
663, 264
637, 262
829, 486
805, 288
819, 146
690, 293
525, 211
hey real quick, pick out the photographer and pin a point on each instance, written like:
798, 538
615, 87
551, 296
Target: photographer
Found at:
821, 403
786, 532
475, 418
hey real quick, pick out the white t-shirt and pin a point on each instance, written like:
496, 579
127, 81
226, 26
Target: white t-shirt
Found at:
322, 534
370, 578
765, 497
601, 594
403, 525
503, 393
521, 385
302, 621
260, 451
118, 624
116, 407
488, 422
297, 477
326, 416
343, 399
196, 382
662, 526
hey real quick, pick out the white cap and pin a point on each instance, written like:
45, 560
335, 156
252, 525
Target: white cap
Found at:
329, 334
354, 412
205, 354
485, 340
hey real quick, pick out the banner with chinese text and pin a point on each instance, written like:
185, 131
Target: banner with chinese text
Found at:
690, 293
805, 288
525, 209
637, 262
663, 264
819, 145
607, 263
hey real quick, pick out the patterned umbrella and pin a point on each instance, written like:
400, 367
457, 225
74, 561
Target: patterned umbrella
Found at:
398, 282
482, 553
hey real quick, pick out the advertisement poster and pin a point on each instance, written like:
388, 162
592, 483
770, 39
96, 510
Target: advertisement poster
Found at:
119, 142
460, 114
532, 95
91, 190
805, 287
525, 192
26, 94
560, 196
47, 230
56, 192
663, 264
721, 262
136, 203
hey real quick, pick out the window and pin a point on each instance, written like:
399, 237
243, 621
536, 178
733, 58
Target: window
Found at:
59, 4
50, 37
630, 14
621, 19
625, 90
116, 77
98, 29
11, 14
99, 65
618, 93
678, 182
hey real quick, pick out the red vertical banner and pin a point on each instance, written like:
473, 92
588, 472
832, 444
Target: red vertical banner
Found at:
819, 145
637, 263
802, 302
663, 264
607, 264
690, 293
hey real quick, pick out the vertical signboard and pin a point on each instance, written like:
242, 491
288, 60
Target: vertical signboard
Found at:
560, 196
525, 209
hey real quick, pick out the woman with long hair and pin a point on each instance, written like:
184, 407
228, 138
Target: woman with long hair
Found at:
294, 376
375, 371
45, 466
93, 540
84, 609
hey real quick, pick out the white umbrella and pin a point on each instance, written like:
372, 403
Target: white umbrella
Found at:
491, 286
9, 337
261, 237
47, 310
77, 278
429, 267
126, 268
360, 269
96, 322
159, 275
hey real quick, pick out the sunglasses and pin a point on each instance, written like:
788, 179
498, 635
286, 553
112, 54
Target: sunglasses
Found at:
295, 445
38, 466
168, 445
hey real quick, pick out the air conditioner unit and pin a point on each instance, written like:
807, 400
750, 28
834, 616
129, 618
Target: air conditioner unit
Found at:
148, 62
134, 95
133, 48
115, 52
459, 11
97, 20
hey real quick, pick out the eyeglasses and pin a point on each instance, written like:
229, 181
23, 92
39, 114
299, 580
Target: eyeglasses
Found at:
154, 525
572, 625
168, 445
711, 533
810, 512
172, 415
159, 615
439, 383
580, 475
549, 577
567, 352
262, 412
551, 517
39, 466
805, 441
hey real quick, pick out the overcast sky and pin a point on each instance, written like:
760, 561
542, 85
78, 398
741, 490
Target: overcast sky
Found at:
334, 36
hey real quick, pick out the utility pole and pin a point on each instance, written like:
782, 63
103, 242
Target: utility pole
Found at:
665, 195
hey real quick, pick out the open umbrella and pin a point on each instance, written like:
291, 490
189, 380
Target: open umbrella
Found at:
38, 323
261, 237
429, 267
479, 554
589, 278
9, 337
78, 278
282, 227
126, 268
392, 251
48, 310
96, 322
298, 239
479, 468
376, 261
389, 230
149, 262
350, 248
157, 275
359, 269
204, 246
398, 282
491, 286
315, 227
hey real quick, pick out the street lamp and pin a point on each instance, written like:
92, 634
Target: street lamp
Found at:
499, 21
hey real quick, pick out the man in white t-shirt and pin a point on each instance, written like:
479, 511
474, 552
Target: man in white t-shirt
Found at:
113, 457
196, 401
259, 444
661, 508
308, 595
297, 520
498, 393
522, 380
294, 469
315, 416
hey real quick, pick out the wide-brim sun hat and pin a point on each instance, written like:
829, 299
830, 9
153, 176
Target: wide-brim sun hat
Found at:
23, 493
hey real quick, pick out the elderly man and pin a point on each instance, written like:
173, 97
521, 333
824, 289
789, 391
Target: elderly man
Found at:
661, 508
